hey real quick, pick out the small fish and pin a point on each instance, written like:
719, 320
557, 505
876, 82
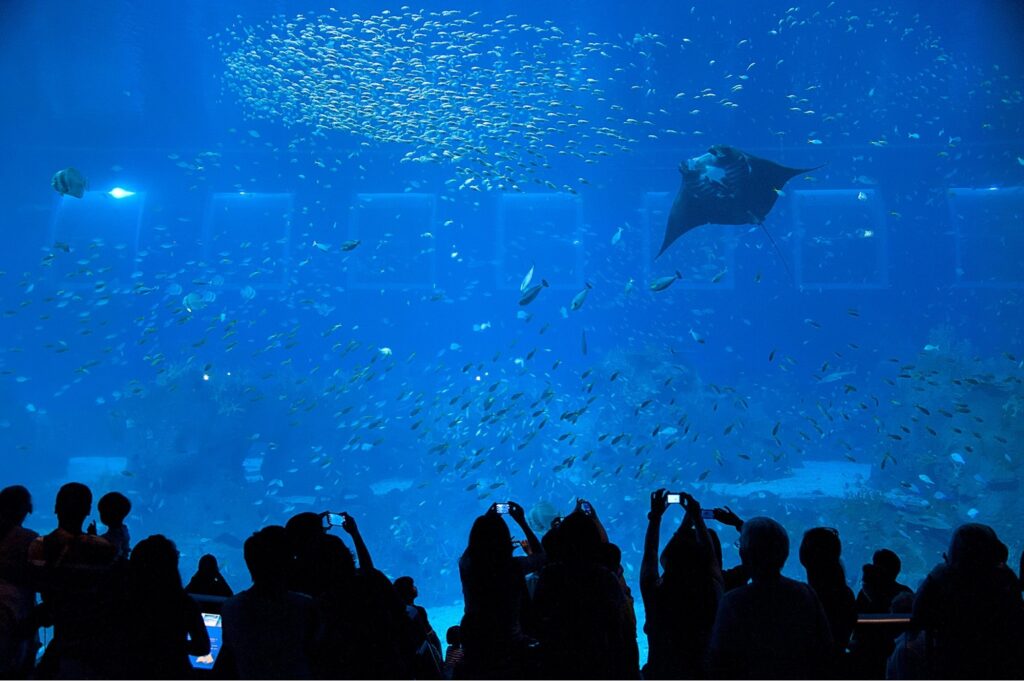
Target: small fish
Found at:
350, 245
525, 283
957, 458
61, 246
931, 348
580, 298
662, 283
531, 293
925, 479
617, 236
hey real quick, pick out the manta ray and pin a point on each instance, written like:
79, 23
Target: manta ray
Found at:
726, 186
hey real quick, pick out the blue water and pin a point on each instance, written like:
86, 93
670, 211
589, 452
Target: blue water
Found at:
208, 347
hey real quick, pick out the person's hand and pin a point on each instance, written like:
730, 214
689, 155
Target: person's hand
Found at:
659, 502
726, 516
348, 523
691, 505
517, 512
92, 529
586, 507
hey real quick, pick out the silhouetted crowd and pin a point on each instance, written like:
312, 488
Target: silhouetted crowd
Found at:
561, 610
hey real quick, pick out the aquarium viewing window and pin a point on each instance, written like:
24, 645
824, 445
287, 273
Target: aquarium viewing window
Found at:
95, 239
705, 256
841, 239
393, 254
247, 238
988, 229
544, 231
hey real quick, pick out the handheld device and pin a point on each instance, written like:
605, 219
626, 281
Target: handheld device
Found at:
707, 513
501, 508
674, 498
587, 508
333, 519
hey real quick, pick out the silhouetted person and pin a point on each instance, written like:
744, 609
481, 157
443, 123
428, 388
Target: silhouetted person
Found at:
494, 590
365, 632
871, 646
971, 610
581, 622
268, 630
208, 581
774, 627
820, 553
162, 625
428, 645
18, 639
453, 654
679, 604
113, 508
304, 529
71, 569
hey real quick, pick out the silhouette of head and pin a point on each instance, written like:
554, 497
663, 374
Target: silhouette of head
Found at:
114, 507
974, 547
489, 538
154, 563
406, 590
208, 565
454, 635
304, 526
764, 547
820, 548
329, 564
269, 557
15, 505
887, 565
74, 503
677, 558
580, 539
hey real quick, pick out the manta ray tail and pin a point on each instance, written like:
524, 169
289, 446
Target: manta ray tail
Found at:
778, 251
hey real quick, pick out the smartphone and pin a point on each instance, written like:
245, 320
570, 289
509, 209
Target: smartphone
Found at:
587, 508
674, 498
333, 519
501, 508
707, 513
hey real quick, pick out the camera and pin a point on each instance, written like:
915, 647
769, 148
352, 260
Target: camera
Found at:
333, 519
674, 498
501, 508
586, 507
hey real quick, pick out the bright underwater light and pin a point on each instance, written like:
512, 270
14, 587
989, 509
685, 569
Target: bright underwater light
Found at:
119, 193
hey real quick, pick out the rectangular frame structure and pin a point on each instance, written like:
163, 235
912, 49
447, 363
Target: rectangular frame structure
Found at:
700, 256
235, 225
988, 226
101, 232
544, 231
393, 255
838, 230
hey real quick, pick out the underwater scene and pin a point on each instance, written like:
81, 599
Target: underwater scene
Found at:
404, 261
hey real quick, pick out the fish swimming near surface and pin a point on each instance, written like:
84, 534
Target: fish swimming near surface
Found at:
726, 186
69, 181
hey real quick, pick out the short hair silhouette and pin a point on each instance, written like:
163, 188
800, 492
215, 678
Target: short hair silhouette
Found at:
887, 564
764, 546
15, 504
113, 507
74, 502
268, 556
